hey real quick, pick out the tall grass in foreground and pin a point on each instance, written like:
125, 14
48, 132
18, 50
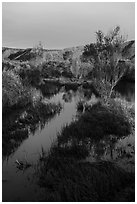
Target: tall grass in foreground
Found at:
66, 180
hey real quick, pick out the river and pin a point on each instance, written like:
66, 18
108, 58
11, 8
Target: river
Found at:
21, 185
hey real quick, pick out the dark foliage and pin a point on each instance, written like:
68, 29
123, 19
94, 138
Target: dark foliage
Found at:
66, 180
56, 69
97, 122
31, 76
74, 151
67, 55
49, 89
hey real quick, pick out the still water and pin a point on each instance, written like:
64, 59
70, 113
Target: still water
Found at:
127, 90
21, 185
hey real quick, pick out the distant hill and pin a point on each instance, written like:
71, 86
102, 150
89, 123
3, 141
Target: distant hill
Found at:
27, 54
129, 53
129, 50
22, 54
74, 53
6, 52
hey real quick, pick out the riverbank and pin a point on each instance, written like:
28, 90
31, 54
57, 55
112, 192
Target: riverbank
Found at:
65, 174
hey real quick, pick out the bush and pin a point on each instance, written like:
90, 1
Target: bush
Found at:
12, 89
30, 75
97, 122
124, 107
55, 69
14, 93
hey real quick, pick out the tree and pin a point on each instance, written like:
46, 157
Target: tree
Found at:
106, 56
48, 56
38, 50
75, 67
85, 68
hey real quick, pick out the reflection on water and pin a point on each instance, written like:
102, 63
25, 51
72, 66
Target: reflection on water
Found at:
48, 89
127, 90
21, 185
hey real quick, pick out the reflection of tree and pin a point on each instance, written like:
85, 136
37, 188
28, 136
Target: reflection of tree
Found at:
84, 93
81, 94
48, 89
67, 97
127, 90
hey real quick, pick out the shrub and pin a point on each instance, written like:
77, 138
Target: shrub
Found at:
15, 93
97, 122
124, 107
12, 89
30, 75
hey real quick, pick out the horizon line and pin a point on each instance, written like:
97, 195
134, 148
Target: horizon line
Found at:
53, 48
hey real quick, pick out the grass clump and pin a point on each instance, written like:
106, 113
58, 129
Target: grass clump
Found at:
40, 113
66, 180
75, 151
128, 108
63, 175
97, 122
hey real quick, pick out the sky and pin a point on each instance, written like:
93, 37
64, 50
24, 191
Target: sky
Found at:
61, 25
